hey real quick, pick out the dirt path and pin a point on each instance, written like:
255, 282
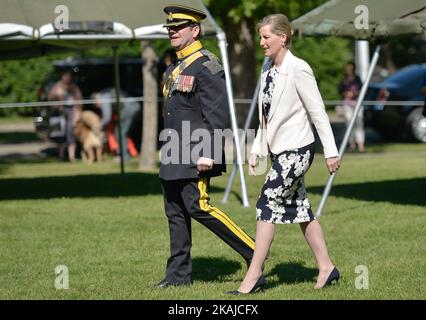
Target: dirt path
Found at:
33, 149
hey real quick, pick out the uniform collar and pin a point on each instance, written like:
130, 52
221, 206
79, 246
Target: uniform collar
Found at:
187, 51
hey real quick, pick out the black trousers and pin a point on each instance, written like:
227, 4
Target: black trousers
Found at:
189, 198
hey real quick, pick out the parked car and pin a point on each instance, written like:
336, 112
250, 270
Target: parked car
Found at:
93, 75
398, 122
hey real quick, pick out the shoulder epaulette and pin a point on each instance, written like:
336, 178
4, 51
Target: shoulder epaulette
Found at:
212, 64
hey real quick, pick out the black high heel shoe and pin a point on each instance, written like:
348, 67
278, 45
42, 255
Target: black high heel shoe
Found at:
258, 286
334, 276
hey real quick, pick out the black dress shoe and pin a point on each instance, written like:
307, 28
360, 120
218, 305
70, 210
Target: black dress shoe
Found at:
258, 286
334, 276
166, 283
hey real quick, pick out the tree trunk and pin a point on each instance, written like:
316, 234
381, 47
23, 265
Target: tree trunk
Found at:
148, 155
242, 57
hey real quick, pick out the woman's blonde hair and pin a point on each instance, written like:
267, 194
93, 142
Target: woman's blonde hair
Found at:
279, 25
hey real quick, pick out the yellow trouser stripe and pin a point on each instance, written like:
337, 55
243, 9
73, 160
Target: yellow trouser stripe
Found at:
215, 212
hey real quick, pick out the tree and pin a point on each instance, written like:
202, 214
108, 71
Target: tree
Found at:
147, 160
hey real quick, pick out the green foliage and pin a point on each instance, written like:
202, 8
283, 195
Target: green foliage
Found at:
407, 50
20, 80
256, 9
327, 57
126, 49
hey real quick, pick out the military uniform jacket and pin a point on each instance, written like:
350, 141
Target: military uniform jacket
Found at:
196, 100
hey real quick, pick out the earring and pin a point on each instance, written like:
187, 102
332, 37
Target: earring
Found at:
283, 44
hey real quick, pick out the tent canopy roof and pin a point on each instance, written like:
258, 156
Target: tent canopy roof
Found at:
31, 25
343, 18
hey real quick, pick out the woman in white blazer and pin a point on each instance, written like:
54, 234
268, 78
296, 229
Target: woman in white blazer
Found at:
289, 104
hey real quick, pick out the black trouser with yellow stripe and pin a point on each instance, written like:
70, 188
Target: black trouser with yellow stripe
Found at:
188, 198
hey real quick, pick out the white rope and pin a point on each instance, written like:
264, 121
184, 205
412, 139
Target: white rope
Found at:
140, 99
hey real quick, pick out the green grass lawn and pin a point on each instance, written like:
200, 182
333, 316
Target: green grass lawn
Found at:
112, 234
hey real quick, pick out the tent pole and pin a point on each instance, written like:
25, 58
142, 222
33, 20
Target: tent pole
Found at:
117, 99
222, 45
349, 129
253, 106
230, 181
362, 58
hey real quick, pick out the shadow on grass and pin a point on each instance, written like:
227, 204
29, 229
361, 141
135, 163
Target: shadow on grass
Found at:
213, 269
291, 273
82, 186
402, 191
43, 156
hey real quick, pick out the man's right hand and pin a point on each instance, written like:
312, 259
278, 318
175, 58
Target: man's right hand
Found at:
204, 164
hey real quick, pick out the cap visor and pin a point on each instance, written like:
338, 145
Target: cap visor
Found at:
176, 24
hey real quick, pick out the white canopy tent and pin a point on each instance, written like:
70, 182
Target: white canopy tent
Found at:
33, 27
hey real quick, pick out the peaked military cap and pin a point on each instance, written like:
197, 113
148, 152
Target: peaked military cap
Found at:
179, 15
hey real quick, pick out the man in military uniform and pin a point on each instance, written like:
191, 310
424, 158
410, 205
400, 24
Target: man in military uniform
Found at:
196, 104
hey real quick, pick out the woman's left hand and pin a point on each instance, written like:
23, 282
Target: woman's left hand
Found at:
332, 164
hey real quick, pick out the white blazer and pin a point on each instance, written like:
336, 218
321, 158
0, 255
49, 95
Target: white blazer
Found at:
296, 105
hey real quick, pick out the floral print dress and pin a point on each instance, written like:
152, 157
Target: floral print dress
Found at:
283, 199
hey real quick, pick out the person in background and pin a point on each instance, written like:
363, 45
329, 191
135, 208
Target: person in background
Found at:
105, 101
67, 91
349, 89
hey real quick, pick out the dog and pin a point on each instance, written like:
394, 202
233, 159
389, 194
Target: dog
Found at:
88, 132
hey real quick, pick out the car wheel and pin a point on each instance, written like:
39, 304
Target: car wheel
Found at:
417, 124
